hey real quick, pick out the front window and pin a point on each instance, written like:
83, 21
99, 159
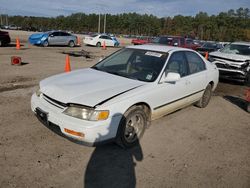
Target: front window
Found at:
239, 49
143, 65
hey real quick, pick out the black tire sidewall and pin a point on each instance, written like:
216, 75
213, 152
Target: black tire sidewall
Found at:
70, 44
98, 44
208, 89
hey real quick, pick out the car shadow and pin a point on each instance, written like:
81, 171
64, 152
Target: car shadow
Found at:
241, 103
111, 166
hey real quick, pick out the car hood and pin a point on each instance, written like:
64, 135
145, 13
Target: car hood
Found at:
88, 87
230, 57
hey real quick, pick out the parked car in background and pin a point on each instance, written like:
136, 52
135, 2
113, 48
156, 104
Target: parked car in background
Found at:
50, 38
117, 98
233, 61
209, 47
177, 41
99, 39
141, 40
13, 27
4, 38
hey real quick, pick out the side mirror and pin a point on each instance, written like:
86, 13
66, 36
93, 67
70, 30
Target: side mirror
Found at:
170, 77
175, 44
51, 35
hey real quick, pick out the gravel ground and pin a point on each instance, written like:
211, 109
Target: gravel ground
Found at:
189, 148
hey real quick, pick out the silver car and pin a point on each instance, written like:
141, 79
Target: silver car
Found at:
60, 38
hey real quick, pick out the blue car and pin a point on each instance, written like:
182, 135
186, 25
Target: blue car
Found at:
53, 38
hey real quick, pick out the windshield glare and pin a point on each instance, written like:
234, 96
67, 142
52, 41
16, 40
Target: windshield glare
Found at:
143, 65
236, 49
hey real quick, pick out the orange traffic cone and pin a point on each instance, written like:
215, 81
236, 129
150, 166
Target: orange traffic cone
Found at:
67, 64
78, 41
104, 46
206, 55
17, 44
15, 60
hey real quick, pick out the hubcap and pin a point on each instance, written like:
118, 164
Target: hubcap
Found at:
134, 127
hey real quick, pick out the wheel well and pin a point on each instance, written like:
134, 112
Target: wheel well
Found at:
212, 84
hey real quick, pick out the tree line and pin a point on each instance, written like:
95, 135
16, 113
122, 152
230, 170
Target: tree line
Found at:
226, 26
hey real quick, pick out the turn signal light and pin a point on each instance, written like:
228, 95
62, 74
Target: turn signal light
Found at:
74, 132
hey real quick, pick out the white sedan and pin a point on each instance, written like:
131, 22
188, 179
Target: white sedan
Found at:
99, 40
117, 98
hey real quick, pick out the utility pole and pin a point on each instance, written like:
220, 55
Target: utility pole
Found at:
99, 23
6, 18
104, 25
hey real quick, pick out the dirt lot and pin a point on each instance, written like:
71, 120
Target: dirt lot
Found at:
190, 148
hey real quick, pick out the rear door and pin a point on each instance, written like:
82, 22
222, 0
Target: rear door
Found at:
196, 79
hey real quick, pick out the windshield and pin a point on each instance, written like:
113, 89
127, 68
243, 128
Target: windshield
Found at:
239, 49
143, 65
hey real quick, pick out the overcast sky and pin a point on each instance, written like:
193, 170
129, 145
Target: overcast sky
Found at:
160, 8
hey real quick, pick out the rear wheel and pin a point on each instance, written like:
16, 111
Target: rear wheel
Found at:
98, 44
71, 44
132, 127
248, 106
0, 43
203, 102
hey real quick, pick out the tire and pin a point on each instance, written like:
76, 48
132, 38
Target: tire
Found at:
1, 43
132, 127
203, 102
248, 106
98, 44
45, 43
116, 45
71, 44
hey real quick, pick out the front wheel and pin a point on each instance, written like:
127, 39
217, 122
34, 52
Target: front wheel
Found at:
45, 43
203, 102
132, 127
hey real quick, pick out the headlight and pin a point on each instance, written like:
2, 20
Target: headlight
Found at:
211, 59
38, 92
86, 113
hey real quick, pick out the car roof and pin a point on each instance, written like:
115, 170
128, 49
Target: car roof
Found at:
242, 43
159, 48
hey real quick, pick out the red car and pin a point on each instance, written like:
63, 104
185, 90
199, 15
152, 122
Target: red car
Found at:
177, 41
141, 40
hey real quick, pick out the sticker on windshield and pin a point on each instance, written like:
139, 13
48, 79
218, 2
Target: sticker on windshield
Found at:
155, 54
149, 76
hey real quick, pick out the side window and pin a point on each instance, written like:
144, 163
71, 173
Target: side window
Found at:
178, 64
102, 37
195, 63
55, 34
64, 34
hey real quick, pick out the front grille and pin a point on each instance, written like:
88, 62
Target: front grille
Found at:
227, 66
54, 102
